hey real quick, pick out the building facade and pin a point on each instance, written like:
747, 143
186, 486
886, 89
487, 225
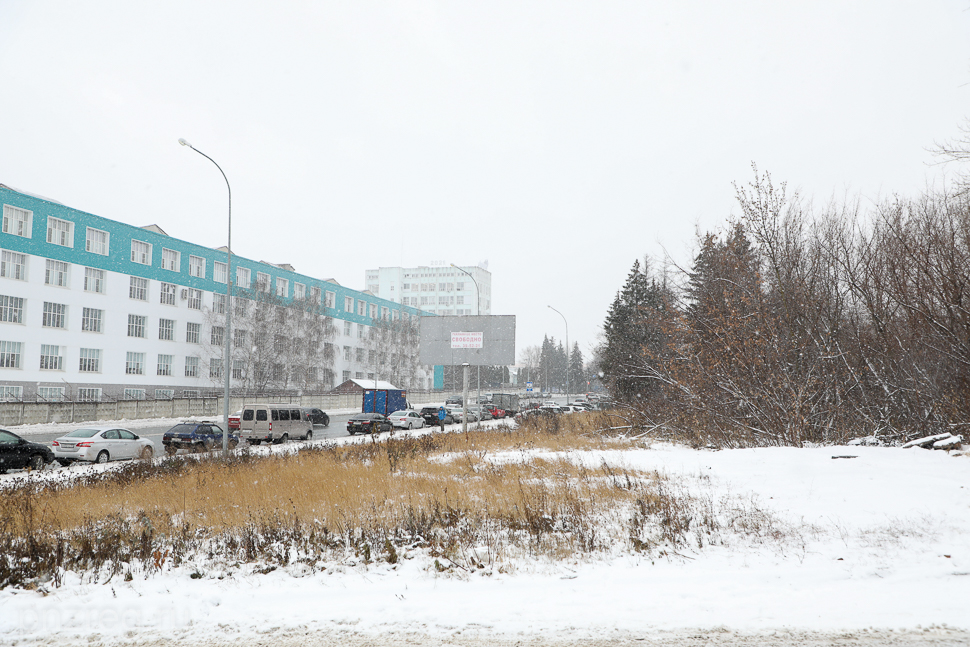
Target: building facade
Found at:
92, 309
439, 289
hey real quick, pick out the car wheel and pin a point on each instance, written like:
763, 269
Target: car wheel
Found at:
147, 453
309, 435
198, 448
36, 462
410, 426
103, 457
233, 444
170, 450
282, 439
64, 462
326, 421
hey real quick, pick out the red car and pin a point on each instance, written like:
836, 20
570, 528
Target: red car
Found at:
234, 420
495, 411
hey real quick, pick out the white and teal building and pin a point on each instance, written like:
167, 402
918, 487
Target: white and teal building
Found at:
91, 309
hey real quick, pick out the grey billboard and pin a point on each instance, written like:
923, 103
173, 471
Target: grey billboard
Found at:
486, 340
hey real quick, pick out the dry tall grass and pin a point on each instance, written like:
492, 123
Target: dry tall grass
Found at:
470, 499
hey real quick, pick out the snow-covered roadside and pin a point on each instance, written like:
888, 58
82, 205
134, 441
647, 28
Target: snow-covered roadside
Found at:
881, 540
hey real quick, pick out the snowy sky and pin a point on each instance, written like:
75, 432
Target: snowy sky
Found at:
558, 140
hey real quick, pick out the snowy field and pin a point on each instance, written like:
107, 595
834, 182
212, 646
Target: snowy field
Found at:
873, 549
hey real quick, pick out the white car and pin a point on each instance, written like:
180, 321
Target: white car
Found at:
100, 445
408, 419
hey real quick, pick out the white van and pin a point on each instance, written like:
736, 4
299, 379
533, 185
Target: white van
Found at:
273, 423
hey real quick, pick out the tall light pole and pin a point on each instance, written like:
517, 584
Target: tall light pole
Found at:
227, 353
567, 350
478, 311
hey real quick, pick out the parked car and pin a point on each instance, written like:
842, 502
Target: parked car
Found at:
454, 400
18, 453
196, 437
481, 413
430, 415
317, 416
406, 419
234, 421
456, 413
495, 411
370, 423
274, 423
100, 445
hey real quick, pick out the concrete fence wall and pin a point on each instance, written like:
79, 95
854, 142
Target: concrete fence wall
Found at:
13, 414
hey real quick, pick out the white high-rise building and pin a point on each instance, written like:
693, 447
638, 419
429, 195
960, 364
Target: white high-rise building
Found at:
439, 288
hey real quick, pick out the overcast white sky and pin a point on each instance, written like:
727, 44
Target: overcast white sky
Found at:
558, 140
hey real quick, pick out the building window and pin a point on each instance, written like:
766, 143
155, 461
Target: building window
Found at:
262, 282
50, 357
359, 375
219, 272
218, 303
345, 375
57, 273
10, 354
141, 252
348, 304
138, 288
195, 299
13, 266
136, 325
360, 356
164, 394
17, 221
239, 338
385, 313
299, 291
90, 360
282, 288
134, 364
191, 367
331, 298
193, 333
93, 280
242, 277
373, 311
96, 241
171, 260
347, 351
238, 369
279, 344
361, 331
361, 308
347, 329
167, 295
134, 394
166, 329
11, 309
88, 394
218, 336
197, 266
215, 368
55, 315
92, 320
50, 393
164, 365
60, 232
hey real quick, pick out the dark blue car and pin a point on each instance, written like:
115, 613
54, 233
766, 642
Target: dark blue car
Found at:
196, 437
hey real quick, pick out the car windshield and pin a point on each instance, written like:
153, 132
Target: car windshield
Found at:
82, 433
182, 429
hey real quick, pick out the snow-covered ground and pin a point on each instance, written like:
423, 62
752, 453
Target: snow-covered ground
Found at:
873, 549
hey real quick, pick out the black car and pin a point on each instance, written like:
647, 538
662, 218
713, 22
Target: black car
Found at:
196, 437
370, 423
453, 401
316, 416
430, 415
17, 453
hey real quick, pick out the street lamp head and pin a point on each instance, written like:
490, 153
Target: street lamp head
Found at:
184, 143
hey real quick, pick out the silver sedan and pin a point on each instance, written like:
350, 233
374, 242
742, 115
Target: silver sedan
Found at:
100, 445
408, 419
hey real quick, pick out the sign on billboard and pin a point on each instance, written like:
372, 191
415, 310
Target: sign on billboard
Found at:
485, 340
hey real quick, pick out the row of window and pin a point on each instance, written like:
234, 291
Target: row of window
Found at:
85, 394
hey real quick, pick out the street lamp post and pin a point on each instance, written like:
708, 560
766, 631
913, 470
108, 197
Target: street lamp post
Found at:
478, 311
226, 359
567, 350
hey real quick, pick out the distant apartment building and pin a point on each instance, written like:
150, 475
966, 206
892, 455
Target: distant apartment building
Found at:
93, 309
439, 289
